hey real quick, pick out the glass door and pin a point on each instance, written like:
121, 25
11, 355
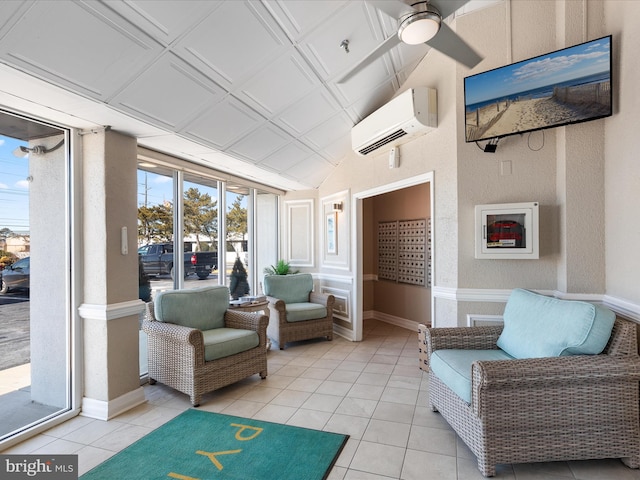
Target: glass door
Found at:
35, 294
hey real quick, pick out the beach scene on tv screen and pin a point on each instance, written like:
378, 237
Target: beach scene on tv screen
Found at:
567, 86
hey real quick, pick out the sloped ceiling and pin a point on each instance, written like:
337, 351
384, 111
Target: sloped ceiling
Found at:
246, 87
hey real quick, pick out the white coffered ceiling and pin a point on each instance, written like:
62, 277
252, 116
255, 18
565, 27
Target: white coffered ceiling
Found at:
246, 87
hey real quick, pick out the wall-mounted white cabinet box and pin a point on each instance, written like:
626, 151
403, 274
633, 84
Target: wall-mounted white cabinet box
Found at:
507, 231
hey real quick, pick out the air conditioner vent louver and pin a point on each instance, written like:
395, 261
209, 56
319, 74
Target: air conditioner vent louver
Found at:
383, 141
411, 113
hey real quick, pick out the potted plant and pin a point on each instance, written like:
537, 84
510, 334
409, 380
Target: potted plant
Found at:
144, 284
280, 268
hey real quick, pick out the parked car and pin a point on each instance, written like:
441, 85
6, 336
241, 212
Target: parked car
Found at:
16, 276
157, 259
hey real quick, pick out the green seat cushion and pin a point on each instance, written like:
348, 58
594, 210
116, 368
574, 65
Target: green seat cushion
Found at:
223, 342
201, 308
298, 312
453, 367
539, 326
289, 288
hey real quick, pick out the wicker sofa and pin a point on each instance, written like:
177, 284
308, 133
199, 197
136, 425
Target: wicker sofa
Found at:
196, 345
571, 406
296, 312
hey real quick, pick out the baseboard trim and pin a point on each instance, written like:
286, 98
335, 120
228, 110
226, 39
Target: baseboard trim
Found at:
343, 332
397, 321
106, 410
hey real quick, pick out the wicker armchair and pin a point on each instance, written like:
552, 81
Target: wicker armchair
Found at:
544, 409
176, 353
296, 312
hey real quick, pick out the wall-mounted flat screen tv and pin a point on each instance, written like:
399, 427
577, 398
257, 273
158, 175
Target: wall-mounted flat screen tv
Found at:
566, 86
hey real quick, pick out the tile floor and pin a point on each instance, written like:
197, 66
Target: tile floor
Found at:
371, 390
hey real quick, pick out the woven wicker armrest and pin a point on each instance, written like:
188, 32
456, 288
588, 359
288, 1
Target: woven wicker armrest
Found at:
324, 299
575, 369
276, 303
462, 338
248, 321
245, 320
173, 332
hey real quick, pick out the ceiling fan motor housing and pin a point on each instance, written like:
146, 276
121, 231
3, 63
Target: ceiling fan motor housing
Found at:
420, 25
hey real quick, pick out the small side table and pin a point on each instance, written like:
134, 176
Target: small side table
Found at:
254, 307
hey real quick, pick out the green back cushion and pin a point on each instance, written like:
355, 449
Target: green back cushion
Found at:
201, 308
289, 288
539, 326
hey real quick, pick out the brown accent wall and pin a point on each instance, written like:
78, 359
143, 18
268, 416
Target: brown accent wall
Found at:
400, 300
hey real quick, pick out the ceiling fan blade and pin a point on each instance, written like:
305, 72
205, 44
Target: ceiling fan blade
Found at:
448, 42
385, 46
447, 7
394, 8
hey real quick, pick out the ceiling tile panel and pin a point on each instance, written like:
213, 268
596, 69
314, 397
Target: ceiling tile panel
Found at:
298, 119
261, 143
234, 41
51, 40
356, 23
361, 84
168, 93
10, 12
335, 151
286, 157
299, 17
224, 124
164, 20
329, 131
283, 82
311, 171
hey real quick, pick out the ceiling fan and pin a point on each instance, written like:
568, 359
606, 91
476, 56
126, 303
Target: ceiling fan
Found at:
421, 22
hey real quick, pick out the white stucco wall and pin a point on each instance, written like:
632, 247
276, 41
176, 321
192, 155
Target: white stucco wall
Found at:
622, 167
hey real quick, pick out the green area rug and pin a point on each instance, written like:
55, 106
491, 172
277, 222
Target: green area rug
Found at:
203, 445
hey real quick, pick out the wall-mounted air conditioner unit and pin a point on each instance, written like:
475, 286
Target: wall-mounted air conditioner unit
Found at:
411, 113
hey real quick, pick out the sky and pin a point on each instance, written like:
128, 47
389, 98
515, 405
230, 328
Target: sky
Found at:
574, 62
14, 187
158, 189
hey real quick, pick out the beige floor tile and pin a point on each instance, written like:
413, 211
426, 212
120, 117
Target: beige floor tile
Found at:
275, 413
379, 459
387, 433
394, 412
322, 402
434, 440
347, 425
291, 398
330, 387
313, 419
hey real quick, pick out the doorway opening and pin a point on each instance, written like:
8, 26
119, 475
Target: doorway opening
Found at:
365, 269
37, 339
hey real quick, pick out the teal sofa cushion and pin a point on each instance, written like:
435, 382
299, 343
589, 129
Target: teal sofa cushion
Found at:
453, 367
223, 342
201, 308
289, 288
539, 326
298, 312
